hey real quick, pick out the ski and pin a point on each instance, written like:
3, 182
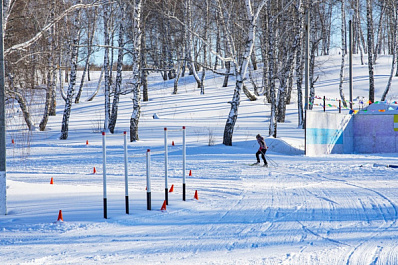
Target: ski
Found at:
260, 165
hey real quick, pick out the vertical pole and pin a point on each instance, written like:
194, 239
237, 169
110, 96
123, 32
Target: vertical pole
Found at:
166, 168
3, 178
104, 174
350, 60
126, 174
305, 133
184, 155
148, 179
324, 104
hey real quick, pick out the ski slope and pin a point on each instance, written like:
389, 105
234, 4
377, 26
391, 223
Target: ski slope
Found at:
335, 209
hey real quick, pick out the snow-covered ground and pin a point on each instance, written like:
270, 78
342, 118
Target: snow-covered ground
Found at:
336, 209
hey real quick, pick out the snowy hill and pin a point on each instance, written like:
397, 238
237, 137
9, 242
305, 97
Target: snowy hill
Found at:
337, 209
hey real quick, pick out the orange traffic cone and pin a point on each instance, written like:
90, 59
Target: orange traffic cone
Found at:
86, 142
12, 141
196, 195
172, 188
163, 206
60, 218
52, 181
172, 143
94, 171
190, 172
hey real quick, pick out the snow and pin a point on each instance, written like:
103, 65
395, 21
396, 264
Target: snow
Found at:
335, 209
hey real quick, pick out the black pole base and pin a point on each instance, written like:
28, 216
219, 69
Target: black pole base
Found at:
148, 201
105, 209
166, 195
183, 192
127, 205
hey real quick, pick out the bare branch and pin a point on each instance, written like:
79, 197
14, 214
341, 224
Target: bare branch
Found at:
23, 46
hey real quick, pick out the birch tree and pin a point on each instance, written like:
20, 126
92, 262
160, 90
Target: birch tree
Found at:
107, 88
241, 68
72, 80
118, 81
50, 91
343, 53
394, 6
369, 19
136, 97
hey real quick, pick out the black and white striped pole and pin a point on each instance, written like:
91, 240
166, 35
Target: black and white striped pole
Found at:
166, 168
104, 174
148, 179
184, 155
126, 181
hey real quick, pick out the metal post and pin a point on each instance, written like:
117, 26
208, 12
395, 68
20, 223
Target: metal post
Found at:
104, 174
184, 155
3, 178
166, 167
324, 104
126, 178
350, 60
148, 179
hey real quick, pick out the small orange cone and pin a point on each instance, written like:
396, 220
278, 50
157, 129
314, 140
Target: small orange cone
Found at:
94, 171
60, 218
12, 141
163, 206
52, 181
86, 142
172, 188
172, 143
196, 195
190, 172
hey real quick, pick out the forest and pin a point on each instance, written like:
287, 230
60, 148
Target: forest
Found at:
46, 42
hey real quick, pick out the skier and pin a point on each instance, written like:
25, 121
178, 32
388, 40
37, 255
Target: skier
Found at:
263, 148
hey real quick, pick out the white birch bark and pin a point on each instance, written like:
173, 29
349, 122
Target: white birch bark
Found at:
118, 81
190, 44
369, 18
72, 81
343, 53
107, 87
394, 51
271, 65
50, 72
299, 65
135, 116
241, 70
90, 37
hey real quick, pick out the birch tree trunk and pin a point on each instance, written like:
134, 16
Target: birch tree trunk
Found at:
143, 64
135, 116
241, 70
118, 81
369, 18
191, 60
22, 103
50, 72
90, 37
300, 65
379, 32
271, 66
343, 53
72, 81
394, 50
107, 88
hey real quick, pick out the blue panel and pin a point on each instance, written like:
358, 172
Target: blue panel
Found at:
324, 136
